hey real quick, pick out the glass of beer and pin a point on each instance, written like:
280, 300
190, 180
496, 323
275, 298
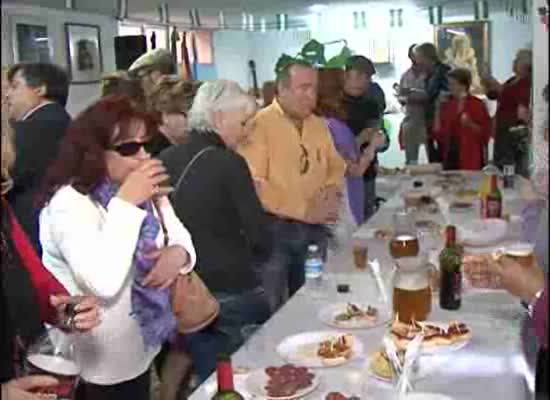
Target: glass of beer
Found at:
522, 252
412, 294
53, 355
360, 254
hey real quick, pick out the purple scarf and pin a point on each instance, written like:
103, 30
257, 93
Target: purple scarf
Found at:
150, 306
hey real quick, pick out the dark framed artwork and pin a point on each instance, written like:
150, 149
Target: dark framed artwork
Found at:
31, 42
465, 45
84, 56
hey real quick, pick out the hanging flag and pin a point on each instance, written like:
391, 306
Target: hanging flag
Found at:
439, 14
185, 63
263, 24
400, 17
174, 37
69, 4
195, 66
392, 18
122, 9
244, 21
221, 20
282, 22
355, 20
363, 19
163, 13
481, 10
431, 15
153, 40
197, 16
192, 20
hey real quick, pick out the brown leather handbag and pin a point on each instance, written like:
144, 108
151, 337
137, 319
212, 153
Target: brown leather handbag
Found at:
192, 303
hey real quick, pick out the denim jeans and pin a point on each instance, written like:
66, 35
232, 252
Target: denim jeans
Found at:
224, 335
370, 198
284, 274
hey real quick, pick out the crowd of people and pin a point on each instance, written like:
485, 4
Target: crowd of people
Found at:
161, 177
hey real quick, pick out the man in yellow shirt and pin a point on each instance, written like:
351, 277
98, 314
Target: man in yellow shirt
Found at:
298, 175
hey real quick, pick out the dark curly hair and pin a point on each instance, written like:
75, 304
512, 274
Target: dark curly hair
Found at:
81, 158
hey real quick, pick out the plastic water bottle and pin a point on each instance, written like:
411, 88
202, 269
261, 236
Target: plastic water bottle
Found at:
314, 270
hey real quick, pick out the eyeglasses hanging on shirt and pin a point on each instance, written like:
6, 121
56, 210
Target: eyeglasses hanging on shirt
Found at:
304, 160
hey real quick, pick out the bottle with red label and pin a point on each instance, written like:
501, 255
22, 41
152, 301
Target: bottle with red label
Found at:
491, 202
450, 268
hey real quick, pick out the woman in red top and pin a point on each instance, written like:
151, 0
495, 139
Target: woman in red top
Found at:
464, 125
29, 294
513, 96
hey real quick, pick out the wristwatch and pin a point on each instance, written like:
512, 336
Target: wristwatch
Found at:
531, 306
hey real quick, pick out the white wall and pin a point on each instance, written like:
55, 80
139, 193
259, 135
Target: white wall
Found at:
540, 80
80, 96
233, 50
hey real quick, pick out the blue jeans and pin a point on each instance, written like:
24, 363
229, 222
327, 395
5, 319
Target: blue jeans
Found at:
284, 273
224, 335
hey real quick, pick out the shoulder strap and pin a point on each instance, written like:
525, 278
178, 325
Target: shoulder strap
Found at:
188, 166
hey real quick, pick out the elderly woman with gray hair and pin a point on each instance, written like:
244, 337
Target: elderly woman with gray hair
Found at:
513, 97
215, 197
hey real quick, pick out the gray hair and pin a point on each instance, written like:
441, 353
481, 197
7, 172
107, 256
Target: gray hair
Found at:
215, 96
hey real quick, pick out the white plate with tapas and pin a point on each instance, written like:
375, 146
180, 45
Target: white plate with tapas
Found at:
378, 366
320, 349
354, 315
439, 337
282, 383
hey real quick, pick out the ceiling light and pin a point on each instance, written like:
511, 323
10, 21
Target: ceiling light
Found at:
317, 8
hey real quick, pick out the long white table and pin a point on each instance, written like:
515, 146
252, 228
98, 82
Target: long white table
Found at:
491, 366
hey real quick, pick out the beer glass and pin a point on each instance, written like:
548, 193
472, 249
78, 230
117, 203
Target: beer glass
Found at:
53, 354
360, 255
412, 295
522, 252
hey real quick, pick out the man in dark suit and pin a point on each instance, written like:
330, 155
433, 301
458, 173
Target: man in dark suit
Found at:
36, 99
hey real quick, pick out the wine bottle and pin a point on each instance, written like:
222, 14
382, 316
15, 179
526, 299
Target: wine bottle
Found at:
226, 387
450, 266
491, 203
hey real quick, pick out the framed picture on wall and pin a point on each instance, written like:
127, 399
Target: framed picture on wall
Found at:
83, 53
31, 42
465, 45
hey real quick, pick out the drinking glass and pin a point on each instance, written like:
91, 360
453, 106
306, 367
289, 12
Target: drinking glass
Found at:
404, 242
53, 354
360, 255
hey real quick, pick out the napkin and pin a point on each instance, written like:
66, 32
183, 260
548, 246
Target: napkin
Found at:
411, 355
391, 352
375, 268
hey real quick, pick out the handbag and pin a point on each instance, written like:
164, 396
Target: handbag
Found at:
193, 304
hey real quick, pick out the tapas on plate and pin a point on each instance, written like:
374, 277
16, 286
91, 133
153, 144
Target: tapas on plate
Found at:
282, 383
354, 316
438, 337
320, 349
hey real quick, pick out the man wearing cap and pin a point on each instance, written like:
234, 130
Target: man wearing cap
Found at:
151, 67
298, 174
365, 103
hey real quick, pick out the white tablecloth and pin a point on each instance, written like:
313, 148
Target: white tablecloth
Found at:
491, 366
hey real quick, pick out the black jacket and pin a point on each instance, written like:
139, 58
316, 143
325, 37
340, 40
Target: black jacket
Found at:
217, 203
37, 140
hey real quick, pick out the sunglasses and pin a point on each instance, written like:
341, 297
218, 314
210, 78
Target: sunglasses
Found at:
129, 149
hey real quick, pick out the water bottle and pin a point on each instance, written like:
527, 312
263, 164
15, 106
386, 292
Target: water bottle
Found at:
314, 269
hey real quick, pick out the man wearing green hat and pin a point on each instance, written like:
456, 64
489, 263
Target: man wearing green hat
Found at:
151, 67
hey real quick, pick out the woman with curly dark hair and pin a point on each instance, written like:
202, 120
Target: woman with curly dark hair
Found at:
102, 229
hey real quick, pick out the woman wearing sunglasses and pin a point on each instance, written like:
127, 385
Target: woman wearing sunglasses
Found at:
107, 229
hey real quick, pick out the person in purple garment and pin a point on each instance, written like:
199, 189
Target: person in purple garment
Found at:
330, 106
531, 284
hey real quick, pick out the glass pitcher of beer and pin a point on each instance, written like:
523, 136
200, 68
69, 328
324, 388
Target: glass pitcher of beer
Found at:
53, 355
412, 296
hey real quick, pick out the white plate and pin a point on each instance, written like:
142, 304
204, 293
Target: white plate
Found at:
482, 232
301, 349
427, 396
444, 348
328, 313
257, 380
424, 367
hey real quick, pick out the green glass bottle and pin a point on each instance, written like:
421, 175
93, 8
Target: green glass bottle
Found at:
226, 387
450, 268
